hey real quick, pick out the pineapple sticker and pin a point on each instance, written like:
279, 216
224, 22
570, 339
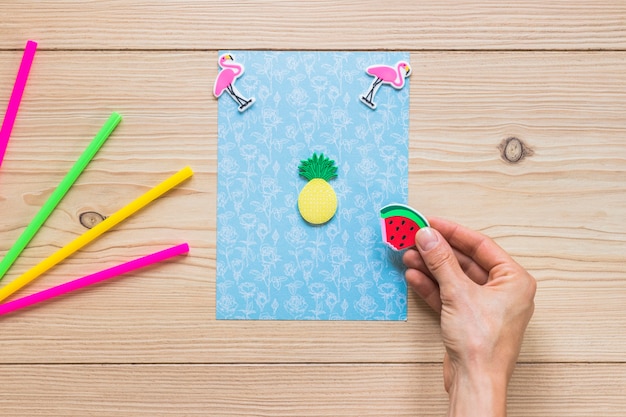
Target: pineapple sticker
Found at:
317, 201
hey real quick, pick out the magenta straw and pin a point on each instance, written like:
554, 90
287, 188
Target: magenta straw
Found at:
16, 97
93, 278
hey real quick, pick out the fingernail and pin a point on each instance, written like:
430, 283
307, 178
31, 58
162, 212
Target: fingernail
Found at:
426, 239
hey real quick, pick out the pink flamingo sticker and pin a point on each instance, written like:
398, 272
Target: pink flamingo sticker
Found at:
384, 74
225, 81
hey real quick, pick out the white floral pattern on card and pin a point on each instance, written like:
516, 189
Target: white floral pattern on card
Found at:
271, 264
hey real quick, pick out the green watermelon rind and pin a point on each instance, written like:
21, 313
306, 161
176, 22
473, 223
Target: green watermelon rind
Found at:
403, 210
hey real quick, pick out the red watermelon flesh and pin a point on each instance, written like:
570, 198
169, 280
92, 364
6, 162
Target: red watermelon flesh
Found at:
399, 224
399, 232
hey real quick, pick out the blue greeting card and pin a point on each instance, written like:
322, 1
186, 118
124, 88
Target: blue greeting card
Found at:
280, 109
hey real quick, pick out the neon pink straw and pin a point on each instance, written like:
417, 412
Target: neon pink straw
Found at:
93, 278
16, 97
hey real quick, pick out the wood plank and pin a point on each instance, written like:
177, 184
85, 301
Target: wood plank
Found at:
570, 390
560, 211
322, 24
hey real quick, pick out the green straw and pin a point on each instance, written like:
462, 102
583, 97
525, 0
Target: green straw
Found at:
58, 194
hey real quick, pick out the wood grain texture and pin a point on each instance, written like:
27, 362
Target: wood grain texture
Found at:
294, 390
559, 212
325, 24
550, 74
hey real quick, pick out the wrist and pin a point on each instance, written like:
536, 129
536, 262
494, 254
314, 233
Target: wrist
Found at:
477, 393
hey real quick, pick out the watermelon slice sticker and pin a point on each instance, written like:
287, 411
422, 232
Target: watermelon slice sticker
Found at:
399, 224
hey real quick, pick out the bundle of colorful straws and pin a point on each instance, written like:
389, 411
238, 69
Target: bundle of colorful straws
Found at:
56, 197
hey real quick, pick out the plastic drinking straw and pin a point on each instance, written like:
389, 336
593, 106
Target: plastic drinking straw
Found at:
16, 96
91, 234
93, 278
58, 194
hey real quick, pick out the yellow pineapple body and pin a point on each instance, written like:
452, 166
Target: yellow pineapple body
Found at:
317, 201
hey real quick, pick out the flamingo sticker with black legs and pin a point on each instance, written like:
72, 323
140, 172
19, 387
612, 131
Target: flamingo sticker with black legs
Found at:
385, 74
225, 81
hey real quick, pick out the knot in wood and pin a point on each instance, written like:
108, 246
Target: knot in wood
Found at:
513, 150
90, 218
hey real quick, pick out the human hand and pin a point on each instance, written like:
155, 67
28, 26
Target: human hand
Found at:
485, 300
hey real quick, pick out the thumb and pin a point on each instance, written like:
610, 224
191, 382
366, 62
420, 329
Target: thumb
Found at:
439, 258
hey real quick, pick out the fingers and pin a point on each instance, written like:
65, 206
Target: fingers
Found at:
480, 248
439, 258
475, 272
425, 287
446, 255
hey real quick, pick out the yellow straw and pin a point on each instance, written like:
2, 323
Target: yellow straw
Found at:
95, 232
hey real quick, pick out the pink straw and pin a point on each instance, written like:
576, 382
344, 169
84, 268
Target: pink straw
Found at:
93, 278
16, 97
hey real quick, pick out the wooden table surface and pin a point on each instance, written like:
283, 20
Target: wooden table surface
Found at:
552, 75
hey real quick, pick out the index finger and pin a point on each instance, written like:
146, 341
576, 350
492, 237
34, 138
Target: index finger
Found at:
482, 249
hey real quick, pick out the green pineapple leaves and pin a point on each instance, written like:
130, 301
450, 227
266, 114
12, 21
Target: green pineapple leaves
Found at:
318, 167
